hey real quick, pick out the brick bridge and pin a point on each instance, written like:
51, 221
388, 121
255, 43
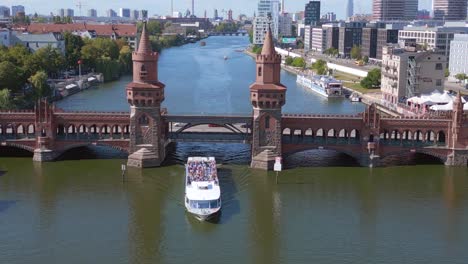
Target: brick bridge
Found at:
145, 131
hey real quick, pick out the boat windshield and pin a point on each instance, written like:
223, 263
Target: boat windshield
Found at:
205, 204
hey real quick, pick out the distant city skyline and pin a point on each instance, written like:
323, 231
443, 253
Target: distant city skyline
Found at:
163, 7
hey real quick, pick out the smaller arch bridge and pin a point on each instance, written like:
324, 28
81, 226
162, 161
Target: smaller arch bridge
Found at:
214, 129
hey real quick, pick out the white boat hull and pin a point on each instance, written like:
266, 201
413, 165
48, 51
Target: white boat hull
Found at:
304, 81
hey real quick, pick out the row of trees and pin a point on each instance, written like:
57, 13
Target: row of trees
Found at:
110, 57
24, 75
227, 27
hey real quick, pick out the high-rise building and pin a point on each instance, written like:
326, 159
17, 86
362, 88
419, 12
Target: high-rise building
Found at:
312, 13
17, 9
411, 9
230, 15
433, 38
449, 9
319, 39
61, 12
407, 73
69, 12
385, 10
92, 13
329, 17
267, 16
111, 13
458, 55
143, 14
350, 8
285, 25
350, 35
124, 12
332, 36
423, 14
134, 14
215, 14
374, 37
4, 11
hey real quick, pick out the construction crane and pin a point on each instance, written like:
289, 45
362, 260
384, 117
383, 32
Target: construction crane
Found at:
80, 5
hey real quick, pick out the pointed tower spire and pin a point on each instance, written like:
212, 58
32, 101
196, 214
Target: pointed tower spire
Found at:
268, 45
144, 47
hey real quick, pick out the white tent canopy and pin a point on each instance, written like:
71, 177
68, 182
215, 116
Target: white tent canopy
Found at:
434, 99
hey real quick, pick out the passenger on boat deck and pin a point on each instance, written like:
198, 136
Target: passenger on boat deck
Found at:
202, 171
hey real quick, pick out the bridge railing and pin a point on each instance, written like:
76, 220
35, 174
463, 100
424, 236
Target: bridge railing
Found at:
321, 116
320, 140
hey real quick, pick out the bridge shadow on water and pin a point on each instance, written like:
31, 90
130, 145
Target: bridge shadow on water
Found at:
8, 151
407, 159
232, 154
319, 158
91, 152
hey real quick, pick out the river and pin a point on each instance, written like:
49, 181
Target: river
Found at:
82, 211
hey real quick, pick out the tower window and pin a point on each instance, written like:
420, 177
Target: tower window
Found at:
143, 120
259, 71
267, 122
143, 72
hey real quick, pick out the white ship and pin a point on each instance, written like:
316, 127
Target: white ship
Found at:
322, 84
202, 191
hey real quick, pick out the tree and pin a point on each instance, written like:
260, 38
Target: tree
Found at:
125, 59
39, 83
372, 80
288, 61
365, 59
320, 67
447, 72
251, 36
257, 49
73, 45
5, 100
90, 54
298, 62
356, 53
49, 60
11, 76
331, 51
461, 76
153, 27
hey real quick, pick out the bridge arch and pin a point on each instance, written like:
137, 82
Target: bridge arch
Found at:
405, 154
356, 157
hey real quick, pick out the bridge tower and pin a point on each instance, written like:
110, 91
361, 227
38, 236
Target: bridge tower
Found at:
145, 95
458, 136
267, 96
44, 130
370, 154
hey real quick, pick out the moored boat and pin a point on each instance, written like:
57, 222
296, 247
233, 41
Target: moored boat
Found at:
324, 85
202, 190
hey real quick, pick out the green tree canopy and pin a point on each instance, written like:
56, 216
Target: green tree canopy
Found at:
372, 80
39, 83
5, 99
356, 53
461, 76
11, 76
320, 67
73, 45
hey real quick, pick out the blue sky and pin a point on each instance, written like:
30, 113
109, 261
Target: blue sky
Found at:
163, 7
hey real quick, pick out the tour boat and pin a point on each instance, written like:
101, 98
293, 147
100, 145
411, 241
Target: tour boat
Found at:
225, 57
202, 190
324, 85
